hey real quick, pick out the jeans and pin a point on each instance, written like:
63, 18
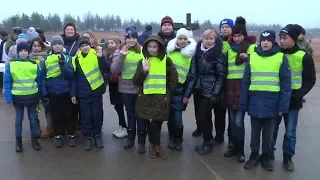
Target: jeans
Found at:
153, 129
267, 125
289, 140
134, 124
204, 116
175, 124
237, 123
91, 113
32, 115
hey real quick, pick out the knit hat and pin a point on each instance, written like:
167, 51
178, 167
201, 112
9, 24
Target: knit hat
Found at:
291, 30
22, 36
183, 32
226, 21
84, 40
21, 46
31, 34
131, 32
115, 39
166, 19
240, 27
56, 40
19, 40
268, 35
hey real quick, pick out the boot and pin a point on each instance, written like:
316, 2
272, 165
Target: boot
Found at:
58, 141
253, 160
35, 144
48, 133
240, 154
142, 142
266, 162
178, 144
87, 144
197, 148
171, 144
160, 152
196, 133
19, 147
233, 150
219, 139
178, 139
129, 143
152, 151
288, 164
206, 148
72, 140
98, 141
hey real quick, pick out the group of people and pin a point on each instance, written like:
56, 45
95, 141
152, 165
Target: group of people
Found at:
155, 76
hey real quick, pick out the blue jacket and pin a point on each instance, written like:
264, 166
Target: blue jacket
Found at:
262, 104
58, 85
8, 80
80, 86
143, 37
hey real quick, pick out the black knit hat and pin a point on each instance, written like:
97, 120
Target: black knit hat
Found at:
84, 40
240, 27
291, 30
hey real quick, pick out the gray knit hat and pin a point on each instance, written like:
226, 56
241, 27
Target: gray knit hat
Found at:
56, 40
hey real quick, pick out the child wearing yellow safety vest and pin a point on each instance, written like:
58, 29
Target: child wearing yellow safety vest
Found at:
57, 74
241, 47
126, 64
180, 50
157, 78
87, 89
21, 82
265, 95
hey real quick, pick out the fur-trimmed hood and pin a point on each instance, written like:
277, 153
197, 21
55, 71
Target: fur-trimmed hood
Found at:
187, 51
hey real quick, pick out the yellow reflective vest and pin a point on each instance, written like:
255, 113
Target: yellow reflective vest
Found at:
130, 64
296, 67
52, 65
156, 81
182, 64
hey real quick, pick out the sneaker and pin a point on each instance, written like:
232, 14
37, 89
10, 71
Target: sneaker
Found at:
219, 139
87, 144
122, 133
35, 144
98, 141
72, 140
288, 164
141, 149
266, 162
117, 131
171, 144
253, 160
129, 143
206, 148
58, 141
178, 145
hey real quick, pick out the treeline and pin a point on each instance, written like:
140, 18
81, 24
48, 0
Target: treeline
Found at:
89, 21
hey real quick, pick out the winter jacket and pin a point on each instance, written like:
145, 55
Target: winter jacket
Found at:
57, 85
155, 106
71, 44
80, 86
207, 71
266, 104
305, 45
26, 100
144, 36
114, 77
188, 51
167, 38
308, 79
10, 42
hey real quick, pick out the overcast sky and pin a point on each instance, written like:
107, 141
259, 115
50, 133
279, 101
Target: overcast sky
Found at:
305, 13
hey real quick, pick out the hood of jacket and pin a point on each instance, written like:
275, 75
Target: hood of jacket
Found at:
162, 47
187, 51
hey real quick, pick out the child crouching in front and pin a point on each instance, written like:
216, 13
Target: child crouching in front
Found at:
157, 78
88, 86
22, 82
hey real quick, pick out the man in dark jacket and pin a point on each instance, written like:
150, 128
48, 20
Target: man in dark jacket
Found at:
167, 33
144, 36
303, 79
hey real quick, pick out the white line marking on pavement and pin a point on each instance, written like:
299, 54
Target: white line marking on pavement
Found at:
211, 170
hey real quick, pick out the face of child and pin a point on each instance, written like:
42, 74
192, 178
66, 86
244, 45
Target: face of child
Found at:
23, 54
36, 47
209, 40
266, 45
182, 41
85, 48
112, 44
153, 48
238, 38
70, 31
226, 30
131, 42
57, 48
166, 28
286, 42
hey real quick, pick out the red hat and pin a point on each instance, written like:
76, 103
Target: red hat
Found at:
167, 19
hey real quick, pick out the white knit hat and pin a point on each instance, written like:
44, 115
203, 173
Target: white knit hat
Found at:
182, 32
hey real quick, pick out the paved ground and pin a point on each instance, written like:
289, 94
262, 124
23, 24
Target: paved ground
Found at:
115, 163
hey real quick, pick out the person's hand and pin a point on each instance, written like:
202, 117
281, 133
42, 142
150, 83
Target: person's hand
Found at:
62, 59
94, 42
74, 100
280, 113
146, 64
124, 50
185, 100
243, 56
99, 53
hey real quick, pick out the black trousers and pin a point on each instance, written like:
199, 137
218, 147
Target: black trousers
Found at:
120, 111
204, 116
153, 129
62, 116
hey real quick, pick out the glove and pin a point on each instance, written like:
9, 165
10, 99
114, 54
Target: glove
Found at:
62, 59
45, 100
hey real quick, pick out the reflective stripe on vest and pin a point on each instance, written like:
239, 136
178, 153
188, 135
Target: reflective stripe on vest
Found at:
265, 72
156, 81
182, 64
296, 67
24, 74
90, 68
234, 71
52, 66
130, 64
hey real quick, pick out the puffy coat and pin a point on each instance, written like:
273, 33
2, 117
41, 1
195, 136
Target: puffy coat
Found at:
60, 84
207, 71
80, 86
188, 51
265, 104
22, 100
